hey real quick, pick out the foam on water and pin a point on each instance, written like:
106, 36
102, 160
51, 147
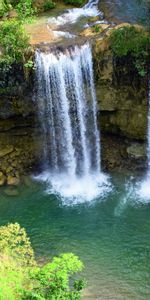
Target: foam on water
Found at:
72, 15
76, 190
64, 34
143, 191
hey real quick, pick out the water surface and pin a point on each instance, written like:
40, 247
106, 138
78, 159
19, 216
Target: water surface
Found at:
110, 234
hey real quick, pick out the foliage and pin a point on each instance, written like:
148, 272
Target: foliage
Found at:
52, 281
132, 41
3, 8
74, 2
24, 8
15, 243
96, 28
29, 64
13, 278
48, 5
14, 42
21, 278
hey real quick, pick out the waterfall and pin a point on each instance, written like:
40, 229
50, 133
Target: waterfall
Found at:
148, 135
91, 4
72, 15
144, 190
67, 111
67, 108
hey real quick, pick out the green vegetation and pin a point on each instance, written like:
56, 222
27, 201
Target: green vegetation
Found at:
96, 28
15, 243
134, 42
48, 5
14, 42
22, 278
74, 2
3, 8
24, 8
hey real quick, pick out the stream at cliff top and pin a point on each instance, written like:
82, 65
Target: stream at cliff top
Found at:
110, 235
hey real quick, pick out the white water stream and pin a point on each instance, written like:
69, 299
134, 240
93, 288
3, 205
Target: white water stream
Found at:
67, 110
144, 190
72, 15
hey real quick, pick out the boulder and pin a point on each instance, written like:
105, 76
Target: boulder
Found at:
2, 179
12, 180
136, 151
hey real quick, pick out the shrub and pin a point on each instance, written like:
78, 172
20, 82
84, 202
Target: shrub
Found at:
22, 278
15, 243
24, 9
4, 7
13, 278
14, 42
132, 41
52, 281
48, 5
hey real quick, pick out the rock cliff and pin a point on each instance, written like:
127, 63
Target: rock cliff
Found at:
122, 116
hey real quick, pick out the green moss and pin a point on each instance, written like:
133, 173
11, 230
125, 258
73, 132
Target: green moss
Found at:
132, 41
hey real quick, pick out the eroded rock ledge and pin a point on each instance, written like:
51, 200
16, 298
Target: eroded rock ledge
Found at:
122, 109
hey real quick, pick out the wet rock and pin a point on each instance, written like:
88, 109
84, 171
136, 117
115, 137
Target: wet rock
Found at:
93, 19
101, 45
11, 191
136, 151
11, 180
94, 30
2, 179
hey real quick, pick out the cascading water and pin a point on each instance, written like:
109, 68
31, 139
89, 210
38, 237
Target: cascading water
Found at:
144, 190
148, 148
67, 110
72, 15
91, 4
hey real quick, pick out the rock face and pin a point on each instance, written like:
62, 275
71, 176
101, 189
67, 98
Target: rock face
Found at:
122, 108
19, 140
122, 116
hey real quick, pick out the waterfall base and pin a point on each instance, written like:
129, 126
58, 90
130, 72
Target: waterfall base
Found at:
75, 190
144, 190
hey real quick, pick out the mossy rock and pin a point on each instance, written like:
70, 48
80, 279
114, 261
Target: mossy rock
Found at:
6, 150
